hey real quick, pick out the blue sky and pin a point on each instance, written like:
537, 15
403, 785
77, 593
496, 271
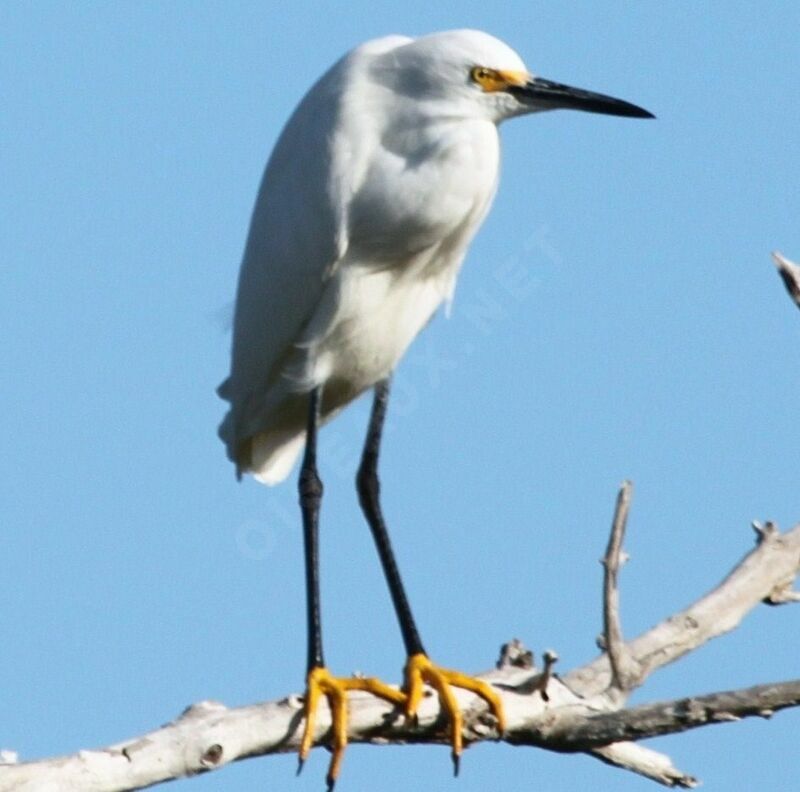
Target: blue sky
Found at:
617, 316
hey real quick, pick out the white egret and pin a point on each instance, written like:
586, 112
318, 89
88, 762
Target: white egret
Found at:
372, 194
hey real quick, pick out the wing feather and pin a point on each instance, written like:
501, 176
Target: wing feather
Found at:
297, 237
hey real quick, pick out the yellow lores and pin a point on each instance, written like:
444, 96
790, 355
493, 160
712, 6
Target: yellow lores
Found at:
492, 80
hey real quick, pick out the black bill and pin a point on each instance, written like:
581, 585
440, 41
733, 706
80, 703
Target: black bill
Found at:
550, 95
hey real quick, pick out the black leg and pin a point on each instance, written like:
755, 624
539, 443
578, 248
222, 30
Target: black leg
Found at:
310, 487
418, 669
319, 682
369, 497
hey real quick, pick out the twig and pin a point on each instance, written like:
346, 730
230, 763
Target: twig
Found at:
550, 659
790, 274
624, 671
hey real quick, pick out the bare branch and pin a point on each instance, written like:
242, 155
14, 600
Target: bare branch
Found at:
790, 274
577, 714
209, 735
767, 568
670, 717
645, 762
624, 670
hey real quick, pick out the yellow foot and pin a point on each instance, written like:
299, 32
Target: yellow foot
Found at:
420, 670
319, 682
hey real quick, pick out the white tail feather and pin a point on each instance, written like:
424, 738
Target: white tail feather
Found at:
274, 454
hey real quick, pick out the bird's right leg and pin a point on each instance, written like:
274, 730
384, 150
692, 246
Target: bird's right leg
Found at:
319, 681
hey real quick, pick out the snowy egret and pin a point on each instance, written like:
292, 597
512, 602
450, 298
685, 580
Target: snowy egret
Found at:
372, 194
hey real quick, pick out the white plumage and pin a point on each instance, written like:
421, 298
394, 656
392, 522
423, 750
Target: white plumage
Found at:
372, 194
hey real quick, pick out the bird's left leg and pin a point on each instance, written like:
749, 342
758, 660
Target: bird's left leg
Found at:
419, 670
319, 681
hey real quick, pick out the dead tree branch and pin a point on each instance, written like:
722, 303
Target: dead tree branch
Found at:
583, 711
623, 668
670, 717
763, 575
790, 274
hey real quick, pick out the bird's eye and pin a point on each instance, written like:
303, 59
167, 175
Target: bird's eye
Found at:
488, 79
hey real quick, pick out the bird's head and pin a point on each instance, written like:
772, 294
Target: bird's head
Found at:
470, 73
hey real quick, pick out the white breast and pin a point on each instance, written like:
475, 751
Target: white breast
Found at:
408, 229
410, 201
